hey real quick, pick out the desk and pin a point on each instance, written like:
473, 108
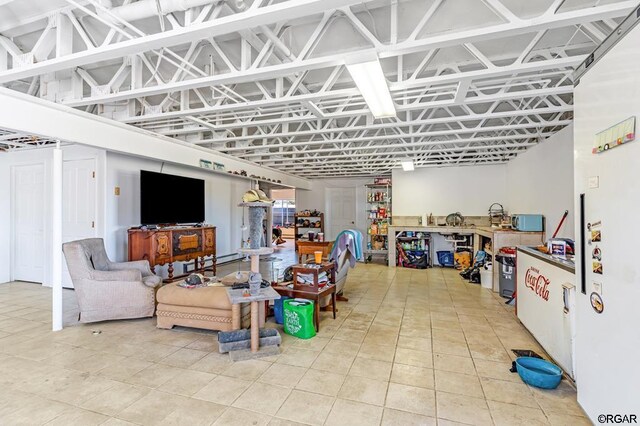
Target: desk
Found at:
312, 291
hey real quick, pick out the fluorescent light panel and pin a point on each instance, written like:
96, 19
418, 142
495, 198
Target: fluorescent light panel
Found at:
407, 165
372, 84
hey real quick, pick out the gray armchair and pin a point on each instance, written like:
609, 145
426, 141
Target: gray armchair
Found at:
109, 290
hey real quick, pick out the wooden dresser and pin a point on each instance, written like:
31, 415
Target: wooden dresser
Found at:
173, 244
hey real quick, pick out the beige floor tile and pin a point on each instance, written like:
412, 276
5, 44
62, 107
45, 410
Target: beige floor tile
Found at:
462, 384
417, 343
315, 344
450, 348
412, 399
193, 412
305, 407
456, 364
350, 335
151, 408
364, 390
558, 419
342, 348
508, 414
117, 422
282, 375
36, 411
413, 357
561, 400
431, 327
223, 390
214, 363
187, 382
298, 357
328, 361
322, 382
348, 413
377, 352
463, 409
154, 375
247, 370
115, 399
371, 368
496, 370
402, 418
490, 352
123, 370
412, 376
510, 392
78, 417
183, 357
262, 398
238, 417
283, 422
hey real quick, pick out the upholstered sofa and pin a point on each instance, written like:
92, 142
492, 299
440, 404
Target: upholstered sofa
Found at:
109, 290
205, 307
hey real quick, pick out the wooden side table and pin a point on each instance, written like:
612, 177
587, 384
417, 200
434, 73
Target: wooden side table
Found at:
312, 291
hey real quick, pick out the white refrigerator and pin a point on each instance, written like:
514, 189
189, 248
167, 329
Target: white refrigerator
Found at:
607, 194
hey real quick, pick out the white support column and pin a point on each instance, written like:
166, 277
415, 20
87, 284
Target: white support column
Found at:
56, 239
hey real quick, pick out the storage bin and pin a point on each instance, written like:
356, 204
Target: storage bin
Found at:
445, 258
278, 310
298, 318
486, 277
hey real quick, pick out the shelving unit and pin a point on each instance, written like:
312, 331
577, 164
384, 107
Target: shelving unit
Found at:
378, 201
302, 231
416, 243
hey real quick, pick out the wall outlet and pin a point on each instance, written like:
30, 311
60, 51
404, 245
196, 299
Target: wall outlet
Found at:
594, 182
116, 190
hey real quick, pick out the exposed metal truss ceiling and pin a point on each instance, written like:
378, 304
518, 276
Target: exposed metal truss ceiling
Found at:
10, 140
474, 81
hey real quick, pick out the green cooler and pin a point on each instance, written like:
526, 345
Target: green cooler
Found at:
298, 318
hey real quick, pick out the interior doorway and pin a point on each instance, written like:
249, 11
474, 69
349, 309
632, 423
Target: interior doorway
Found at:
341, 210
284, 209
27, 223
79, 205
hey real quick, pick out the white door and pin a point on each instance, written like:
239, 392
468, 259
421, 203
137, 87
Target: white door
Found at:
341, 210
28, 223
79, 205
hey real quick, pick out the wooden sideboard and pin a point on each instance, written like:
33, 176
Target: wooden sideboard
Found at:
173, 244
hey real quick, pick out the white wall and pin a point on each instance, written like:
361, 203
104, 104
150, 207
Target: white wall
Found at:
541, 181
44, 157
222, 195
468, 190
118, 213
316, 198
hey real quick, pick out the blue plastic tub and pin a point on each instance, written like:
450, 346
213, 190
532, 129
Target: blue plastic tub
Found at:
278, 309
445, 258
538, 372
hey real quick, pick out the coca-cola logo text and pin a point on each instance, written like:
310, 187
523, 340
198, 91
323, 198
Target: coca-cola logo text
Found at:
537, 282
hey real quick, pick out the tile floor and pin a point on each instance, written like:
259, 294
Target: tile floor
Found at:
410, 347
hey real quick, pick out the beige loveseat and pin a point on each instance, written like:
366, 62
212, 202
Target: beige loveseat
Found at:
205, 307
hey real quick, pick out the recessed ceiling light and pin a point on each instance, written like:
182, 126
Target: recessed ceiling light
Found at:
372, 84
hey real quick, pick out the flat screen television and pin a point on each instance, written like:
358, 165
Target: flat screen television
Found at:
170, 199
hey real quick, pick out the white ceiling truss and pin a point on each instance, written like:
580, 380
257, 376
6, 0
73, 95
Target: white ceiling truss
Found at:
474, 81
11, 140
